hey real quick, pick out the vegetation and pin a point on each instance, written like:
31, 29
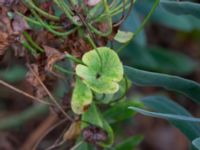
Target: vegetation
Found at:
80, 62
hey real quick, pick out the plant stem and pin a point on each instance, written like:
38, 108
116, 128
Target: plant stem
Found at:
40, 11
156, 3
61, 69
76, 146
23, 93
74, 59
27, 46
94, 46
52, 30
28, 37
67, 11
108, 16
49, 94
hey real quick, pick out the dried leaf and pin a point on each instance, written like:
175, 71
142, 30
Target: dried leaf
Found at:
76, 46
73, 132
6, 141
4, 43
19, 24
8, 2
53, 55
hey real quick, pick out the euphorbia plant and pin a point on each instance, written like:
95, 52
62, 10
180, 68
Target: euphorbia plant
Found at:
98, 74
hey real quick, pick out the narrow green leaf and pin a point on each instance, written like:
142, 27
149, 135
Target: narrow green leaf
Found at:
196, 143
164, 17
23, 117
164, 115
130, 143
182, 8
119, 112
85, 146
144, 78
131, 24
13, 74
165, 105
158, 59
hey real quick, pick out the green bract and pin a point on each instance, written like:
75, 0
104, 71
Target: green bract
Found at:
81, 98
123, 37
102, 70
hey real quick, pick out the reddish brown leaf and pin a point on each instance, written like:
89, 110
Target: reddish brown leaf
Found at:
53, 55
73, 131
8, 2
4, 43
19, 24
76, 46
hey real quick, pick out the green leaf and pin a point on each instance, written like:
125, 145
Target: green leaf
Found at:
102, 70
81, 97
165, 105
182, 8
130, 143
119, 112
196, 143
144, 78
85, 146
94, 117
13, 74
158, 59
168, 61
123, 37
131, 24
18, 120
164, 115
179, 22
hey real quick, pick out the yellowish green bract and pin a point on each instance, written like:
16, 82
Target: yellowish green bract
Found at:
123, 37
102, 70
81, 97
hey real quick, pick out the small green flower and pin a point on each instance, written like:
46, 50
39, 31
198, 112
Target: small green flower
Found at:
102, 70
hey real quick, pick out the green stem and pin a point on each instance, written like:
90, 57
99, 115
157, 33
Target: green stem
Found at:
94, 46
40, 11
52, 30
147, 18
63, 70
74, 59
156, 3
66, 10
33, 44
119, 7
27, 46
37, 22
108, 16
